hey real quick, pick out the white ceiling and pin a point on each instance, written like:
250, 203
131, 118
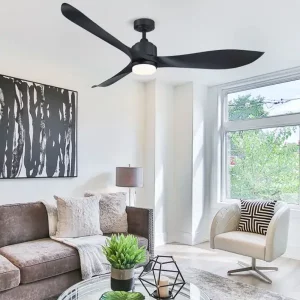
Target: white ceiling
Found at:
36, 29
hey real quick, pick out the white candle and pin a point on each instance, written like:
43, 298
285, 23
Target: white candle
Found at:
163, 290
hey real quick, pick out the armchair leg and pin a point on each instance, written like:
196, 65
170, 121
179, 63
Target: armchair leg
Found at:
265, 277
242, 264
253, 267
239, 270
267, 268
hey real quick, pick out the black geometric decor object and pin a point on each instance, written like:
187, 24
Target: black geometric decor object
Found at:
38, 130
158, 267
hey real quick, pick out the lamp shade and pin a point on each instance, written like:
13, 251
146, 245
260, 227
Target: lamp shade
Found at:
129, 177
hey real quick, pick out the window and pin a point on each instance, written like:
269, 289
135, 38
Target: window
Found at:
274, 100
261, 143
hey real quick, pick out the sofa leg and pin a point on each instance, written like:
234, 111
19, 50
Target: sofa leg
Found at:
254, 268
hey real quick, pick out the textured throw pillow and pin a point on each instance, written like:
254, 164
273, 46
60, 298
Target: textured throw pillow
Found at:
113, 216
256, 216
78, 217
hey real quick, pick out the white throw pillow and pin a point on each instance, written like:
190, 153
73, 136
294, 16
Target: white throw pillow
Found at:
113, 216
78, 217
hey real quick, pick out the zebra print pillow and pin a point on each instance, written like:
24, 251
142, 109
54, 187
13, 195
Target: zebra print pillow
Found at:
256, 216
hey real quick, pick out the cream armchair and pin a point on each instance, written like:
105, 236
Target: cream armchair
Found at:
224, 236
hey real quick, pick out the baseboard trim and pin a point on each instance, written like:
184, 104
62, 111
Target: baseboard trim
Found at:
184, 238
160, 239
292, 252
200, 237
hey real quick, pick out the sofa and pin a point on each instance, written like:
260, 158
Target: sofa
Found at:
35, 267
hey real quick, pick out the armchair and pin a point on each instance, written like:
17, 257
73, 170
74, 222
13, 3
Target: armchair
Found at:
224, 236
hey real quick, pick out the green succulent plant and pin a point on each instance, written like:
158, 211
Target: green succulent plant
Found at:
122, 296
123, 252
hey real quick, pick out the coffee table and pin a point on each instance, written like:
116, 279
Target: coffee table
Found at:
93, 289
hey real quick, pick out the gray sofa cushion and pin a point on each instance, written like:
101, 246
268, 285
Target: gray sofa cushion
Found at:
41, 259
9, 275
43, 289
23, 222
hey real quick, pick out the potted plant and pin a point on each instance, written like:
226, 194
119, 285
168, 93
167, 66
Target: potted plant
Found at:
124, 254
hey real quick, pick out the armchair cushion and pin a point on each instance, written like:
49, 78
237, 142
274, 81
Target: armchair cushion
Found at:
244, 243
256, 216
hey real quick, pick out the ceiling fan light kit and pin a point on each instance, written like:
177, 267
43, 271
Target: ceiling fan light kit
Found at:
143, 55
144, 69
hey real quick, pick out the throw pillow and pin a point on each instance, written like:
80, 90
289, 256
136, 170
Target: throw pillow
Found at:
113, 216
256, 216
78, 217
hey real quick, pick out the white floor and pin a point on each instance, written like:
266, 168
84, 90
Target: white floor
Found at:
285, 282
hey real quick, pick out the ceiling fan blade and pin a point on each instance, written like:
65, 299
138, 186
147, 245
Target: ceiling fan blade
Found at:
83, 21
218, 59
127, 70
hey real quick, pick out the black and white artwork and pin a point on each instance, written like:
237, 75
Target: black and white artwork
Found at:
37, 130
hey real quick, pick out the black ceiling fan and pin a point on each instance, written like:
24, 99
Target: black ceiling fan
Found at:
143, 55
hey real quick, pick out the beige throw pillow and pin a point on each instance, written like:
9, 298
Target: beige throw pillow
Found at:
78, 217
113, 216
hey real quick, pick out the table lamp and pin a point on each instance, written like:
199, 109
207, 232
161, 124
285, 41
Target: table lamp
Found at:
131, 177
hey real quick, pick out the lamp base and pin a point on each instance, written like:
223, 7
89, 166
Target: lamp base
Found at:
132, 196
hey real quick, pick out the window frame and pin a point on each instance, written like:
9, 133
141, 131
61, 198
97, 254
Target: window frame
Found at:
226, 126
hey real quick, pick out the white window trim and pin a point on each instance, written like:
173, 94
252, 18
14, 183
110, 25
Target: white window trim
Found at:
267, 122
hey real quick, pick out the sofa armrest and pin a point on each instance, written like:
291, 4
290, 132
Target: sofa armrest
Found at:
277, 234
227, 219
140, 222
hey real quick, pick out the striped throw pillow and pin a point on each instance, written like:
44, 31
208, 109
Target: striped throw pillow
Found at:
256, 216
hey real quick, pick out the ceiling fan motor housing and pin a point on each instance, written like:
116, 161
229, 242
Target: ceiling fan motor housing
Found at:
146, 47
144, 25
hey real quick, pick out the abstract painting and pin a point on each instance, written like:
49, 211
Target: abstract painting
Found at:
38, 130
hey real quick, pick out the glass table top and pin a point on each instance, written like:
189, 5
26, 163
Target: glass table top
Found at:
94, 288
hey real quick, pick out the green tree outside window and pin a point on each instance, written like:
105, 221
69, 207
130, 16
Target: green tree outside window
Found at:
262, 163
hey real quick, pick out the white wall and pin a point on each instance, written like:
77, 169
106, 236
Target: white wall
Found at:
188, 210
200, 208
110, 131
181, 222
174, 161
158, 158
164, 159
149, 146
293, 249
